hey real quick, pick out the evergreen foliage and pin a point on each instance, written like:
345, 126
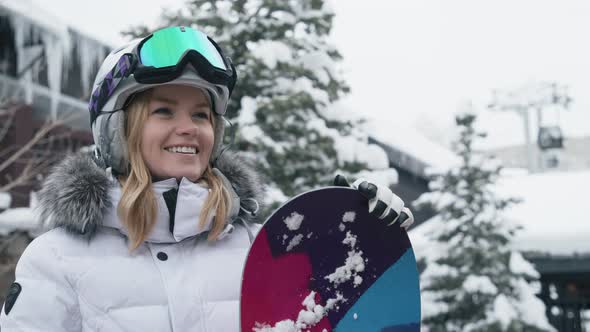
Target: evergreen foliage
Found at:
473, 280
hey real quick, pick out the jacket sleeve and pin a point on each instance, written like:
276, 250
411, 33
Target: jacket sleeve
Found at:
42, 297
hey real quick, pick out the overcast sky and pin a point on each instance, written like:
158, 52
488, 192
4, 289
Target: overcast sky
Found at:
411, 63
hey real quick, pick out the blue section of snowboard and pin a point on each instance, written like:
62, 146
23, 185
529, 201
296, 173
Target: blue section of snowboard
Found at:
390, 303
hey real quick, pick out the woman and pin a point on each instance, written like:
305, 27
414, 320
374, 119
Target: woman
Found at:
151, 232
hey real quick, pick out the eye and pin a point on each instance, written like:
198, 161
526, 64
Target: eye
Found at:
162, 110
201, 115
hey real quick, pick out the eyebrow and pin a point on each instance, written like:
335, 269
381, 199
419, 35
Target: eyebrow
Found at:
174, 102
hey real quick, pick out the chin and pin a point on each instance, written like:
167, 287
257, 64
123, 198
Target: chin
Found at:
192, 176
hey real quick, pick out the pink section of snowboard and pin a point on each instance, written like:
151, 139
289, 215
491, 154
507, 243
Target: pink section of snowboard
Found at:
288, 276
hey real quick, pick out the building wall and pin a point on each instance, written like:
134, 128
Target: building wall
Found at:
58, 142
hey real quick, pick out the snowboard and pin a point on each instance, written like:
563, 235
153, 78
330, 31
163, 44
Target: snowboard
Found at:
321, 262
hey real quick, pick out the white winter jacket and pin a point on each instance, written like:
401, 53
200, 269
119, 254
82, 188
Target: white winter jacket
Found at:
80, 276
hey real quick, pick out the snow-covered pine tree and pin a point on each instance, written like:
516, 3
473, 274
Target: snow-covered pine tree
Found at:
286, 101
473, 280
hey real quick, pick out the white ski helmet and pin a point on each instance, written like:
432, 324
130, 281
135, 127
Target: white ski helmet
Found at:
123, 74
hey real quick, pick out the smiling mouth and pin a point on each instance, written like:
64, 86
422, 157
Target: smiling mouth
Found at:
183, 150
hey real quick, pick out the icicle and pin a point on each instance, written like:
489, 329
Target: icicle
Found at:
55, 48
91, 54
21, 27
34, 15
32, 22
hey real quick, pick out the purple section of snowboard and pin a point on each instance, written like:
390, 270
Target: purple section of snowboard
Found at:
323, 211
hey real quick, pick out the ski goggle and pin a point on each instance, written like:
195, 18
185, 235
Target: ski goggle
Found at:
162, 57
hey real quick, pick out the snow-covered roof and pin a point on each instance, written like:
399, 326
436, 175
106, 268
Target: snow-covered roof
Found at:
47, 20
423, 153
38, 16
554, 213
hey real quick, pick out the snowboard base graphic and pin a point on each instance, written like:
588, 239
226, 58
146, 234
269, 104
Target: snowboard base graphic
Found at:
322, 263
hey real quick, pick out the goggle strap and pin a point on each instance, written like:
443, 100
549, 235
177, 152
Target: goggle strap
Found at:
122, 69
234, 76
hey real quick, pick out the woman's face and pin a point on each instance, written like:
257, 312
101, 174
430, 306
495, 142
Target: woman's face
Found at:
177, 137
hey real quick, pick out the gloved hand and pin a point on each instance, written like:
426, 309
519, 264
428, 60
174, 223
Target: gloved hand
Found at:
383, 203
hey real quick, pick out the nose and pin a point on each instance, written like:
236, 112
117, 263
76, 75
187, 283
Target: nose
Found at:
185, 126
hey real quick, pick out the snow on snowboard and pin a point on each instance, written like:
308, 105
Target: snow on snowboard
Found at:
322, 263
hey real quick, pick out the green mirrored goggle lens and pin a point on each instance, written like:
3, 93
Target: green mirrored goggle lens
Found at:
167, 46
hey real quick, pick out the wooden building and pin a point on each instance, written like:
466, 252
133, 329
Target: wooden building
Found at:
46, 72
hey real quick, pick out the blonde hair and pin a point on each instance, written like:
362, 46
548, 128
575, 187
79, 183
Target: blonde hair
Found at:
138, 207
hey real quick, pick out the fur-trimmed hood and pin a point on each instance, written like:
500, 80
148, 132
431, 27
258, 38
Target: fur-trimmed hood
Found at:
75, 195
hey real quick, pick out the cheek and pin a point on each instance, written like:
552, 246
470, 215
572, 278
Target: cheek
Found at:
207, 139
150, 141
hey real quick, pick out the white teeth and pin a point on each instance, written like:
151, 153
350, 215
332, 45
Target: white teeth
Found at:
182, 149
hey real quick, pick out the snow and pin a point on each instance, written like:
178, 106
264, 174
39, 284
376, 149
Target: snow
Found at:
5, 200
554, 213
351, 148
528, 309
519, 265
18, 219
349, 216
503, 311
247, 114
294, 221
295, 241
340, 110
308, 317
313, 312
274, 195
531, 307
553, 216
353, 265
37, 16
255, 134
586, 319
270, 52
409, 141
290, 86
480, 284
320, 64
434, 307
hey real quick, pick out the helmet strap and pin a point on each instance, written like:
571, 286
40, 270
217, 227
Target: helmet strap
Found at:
232, 137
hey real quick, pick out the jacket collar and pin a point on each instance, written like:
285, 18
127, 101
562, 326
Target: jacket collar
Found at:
169, 227
80, 196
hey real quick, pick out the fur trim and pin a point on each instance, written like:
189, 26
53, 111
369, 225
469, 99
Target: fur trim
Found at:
245, 181
75, 195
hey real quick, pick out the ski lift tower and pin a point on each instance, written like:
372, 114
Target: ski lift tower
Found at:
538, 97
